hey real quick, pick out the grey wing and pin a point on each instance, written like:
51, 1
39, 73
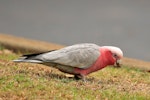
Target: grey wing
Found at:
80, 56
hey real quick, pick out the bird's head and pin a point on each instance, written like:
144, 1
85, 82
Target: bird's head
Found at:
115, 55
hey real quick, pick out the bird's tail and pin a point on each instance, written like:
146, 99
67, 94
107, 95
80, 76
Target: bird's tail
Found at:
27, 59
31, 58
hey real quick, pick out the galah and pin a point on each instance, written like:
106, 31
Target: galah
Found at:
79, 59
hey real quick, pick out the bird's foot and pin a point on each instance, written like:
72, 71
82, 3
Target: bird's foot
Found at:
80, 77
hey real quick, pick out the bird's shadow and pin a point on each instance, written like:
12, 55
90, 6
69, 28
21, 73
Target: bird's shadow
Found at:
67, 79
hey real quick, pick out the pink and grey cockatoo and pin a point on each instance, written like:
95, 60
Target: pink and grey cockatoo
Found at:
79, 60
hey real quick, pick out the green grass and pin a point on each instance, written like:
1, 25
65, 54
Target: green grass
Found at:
1, 47
35, 82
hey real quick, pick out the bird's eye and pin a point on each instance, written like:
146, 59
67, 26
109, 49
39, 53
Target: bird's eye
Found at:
115, 55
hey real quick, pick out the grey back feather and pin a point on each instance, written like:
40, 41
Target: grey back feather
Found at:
79, 55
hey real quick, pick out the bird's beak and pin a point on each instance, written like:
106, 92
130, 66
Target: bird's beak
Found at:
118, 63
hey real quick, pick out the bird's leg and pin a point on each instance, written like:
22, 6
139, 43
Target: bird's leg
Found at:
84, 79
79, 76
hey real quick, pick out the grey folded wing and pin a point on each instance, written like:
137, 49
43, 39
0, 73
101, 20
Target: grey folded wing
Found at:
80, 56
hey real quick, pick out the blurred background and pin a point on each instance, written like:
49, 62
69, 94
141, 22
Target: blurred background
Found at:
122, 23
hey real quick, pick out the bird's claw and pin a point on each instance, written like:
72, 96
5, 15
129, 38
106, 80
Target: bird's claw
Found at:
80, 77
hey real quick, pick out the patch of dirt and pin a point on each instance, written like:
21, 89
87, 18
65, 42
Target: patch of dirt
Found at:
143, 65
